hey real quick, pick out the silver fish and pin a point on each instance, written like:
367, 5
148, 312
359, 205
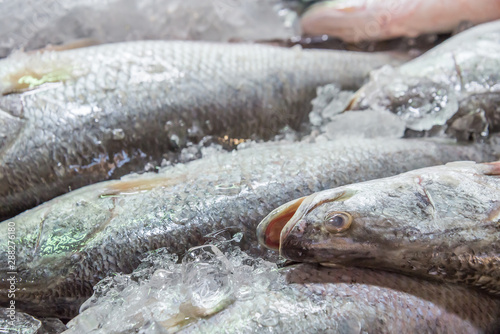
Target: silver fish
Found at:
99, 112
353, 300
363, 20
456, 79
68, 244
439, 223
212, 292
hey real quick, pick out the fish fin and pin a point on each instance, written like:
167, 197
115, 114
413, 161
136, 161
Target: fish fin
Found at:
30, 72
128, 186
76, 44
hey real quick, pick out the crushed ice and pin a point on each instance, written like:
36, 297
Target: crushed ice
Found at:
14, 321
420, 102
331, 122
33, 25
163, 295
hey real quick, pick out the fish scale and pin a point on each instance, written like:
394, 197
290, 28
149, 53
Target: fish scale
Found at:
63, 109
439, 223
67, 240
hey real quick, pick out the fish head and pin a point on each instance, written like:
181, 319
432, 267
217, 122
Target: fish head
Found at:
322, 227
361, 224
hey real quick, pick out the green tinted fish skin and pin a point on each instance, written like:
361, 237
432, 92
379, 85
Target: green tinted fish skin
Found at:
68, 244
354, 300
79, 116
440, 223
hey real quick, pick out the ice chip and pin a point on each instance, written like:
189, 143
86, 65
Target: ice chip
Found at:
329, 102
269, 319
365, 124
421, 102
206, 277
13, 321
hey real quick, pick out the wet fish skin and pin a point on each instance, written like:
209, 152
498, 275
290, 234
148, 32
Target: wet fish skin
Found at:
99, 112
354, 300
457, 78
385, 292
372, 20
439, 223
66, 245
253, 296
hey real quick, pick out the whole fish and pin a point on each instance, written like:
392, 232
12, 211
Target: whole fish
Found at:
28, 25
457, 79
230, 292
439, 223
65, 246
99, 112
369, 20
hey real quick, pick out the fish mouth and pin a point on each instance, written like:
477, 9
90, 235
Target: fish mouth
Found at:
276, 226
270, 230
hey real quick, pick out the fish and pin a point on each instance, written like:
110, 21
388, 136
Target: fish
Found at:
438, 223
455, 81
353, 300
355, 21
29, 25
219, 291
79, 116
65, 246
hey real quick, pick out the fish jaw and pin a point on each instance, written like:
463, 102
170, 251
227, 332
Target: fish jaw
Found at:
270, 228
345, 252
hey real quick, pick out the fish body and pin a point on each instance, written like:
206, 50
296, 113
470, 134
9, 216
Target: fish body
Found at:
66, 245
439, 223
458, 78
75, 117
253, 297
352, 300
372, 20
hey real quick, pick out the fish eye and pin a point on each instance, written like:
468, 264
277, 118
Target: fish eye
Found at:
337, 222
